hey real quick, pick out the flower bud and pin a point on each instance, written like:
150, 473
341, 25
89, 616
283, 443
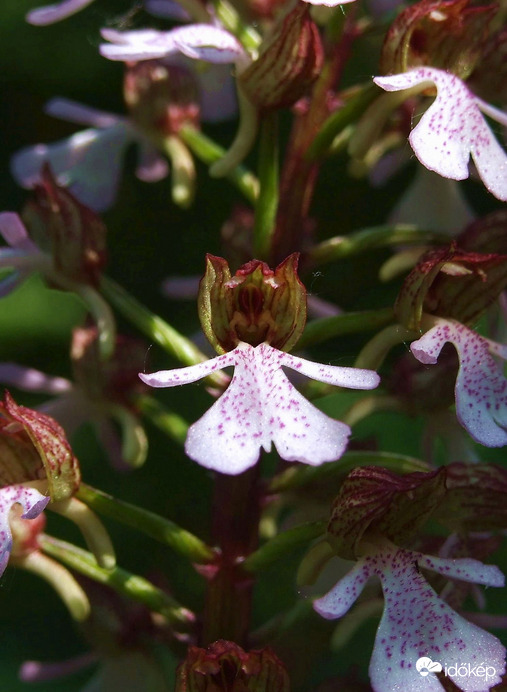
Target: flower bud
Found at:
255, 305
448, 34
287, 65
73, 234
225, 667
161, 96
33, 448
451, 282
391, 505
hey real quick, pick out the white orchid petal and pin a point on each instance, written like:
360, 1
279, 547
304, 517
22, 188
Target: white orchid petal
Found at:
192, 373
88, 163
49, 14
464, 569
344, 594
417, 623
14, 232
208, 43
299, 430
75, 112
137, 45
33, 504
229, 436
481, 388
353, 378
31, 380
452, 128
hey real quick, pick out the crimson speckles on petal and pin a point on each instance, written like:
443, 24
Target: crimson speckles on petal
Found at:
453, 128
262, 407
481, 389
416, 622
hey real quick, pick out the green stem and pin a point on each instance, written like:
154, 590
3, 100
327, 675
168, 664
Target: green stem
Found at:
282, 544
350, 323
153, 525
210, 152
300, 477
231, 20
170, 423
348, 114
267, 201
370, 239
156, 329
131, 585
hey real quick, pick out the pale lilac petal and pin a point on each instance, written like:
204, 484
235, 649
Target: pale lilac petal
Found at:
75, 112
481, 389
342, 596
353, 378
14, 232
137, 45
33, 504
464, 569
208, 43
166, 9
452, 128
299, 431
229, 436
50, 14
31, 380
88, 163
151, 166
416, 623
179, 376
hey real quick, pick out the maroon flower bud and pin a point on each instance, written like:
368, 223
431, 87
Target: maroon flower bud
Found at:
450, 282
373, 498
255, 305
161, 96
489, 78
71, 232
34, 448
225, 667
476, 498
288, 64
448, 34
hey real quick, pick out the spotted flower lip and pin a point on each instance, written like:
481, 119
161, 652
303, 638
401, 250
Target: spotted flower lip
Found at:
481, 388
453, 128
33, 504
416, 622
261, 407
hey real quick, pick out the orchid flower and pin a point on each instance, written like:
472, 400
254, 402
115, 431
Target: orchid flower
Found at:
417, 624
94, 399
453, 128
481, 388
261, 406
88, 162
